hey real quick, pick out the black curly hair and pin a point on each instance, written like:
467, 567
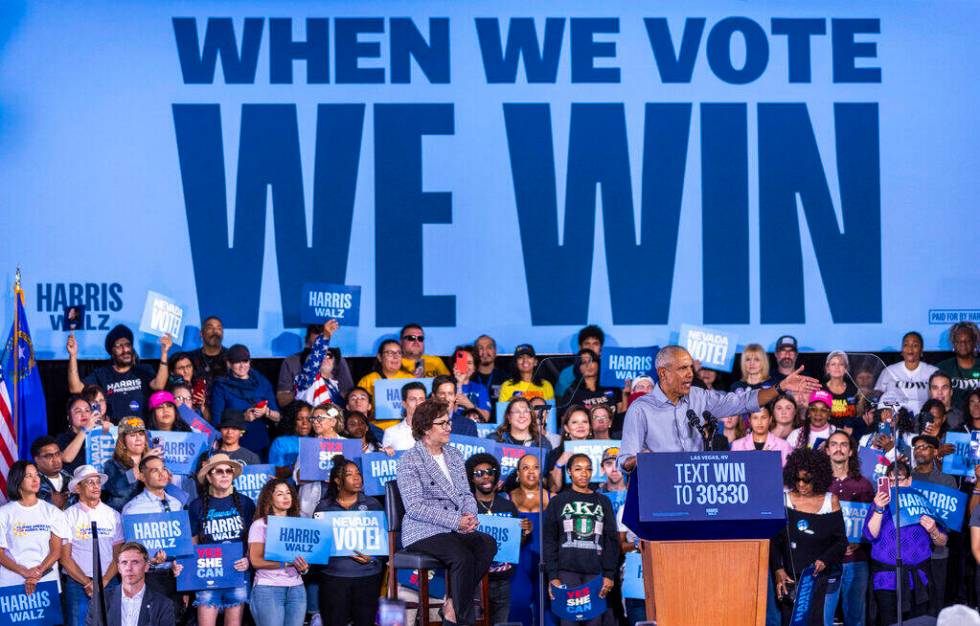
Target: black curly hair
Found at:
814, 462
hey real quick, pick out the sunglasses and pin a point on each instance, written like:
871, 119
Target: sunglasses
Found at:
482, 473
418, 338
222, 471
804, 479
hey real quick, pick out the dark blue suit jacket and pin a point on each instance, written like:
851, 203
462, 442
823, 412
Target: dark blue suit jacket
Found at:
157, 609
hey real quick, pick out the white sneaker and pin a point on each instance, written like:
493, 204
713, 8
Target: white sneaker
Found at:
316, 620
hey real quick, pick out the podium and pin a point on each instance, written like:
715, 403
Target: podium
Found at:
705, 519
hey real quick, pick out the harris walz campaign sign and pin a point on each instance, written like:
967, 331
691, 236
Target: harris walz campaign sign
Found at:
169, 532
324, 301
41, 608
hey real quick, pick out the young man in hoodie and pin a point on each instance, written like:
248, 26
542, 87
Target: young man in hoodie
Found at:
580, 537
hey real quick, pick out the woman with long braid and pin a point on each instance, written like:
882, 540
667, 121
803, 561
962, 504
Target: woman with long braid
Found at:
221, 515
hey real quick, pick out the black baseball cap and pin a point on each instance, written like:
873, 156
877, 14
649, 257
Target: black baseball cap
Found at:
786, 341
524, 348
237, 353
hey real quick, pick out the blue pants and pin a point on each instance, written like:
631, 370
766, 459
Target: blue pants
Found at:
852, 592
278, 606
774, 615
76, 601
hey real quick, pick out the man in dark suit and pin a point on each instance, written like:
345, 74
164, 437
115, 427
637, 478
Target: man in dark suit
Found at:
133, 603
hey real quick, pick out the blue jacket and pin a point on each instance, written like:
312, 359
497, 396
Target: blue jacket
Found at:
433, 504
244, 393
118, 489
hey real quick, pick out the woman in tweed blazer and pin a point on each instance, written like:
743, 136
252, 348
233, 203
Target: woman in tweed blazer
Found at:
440, 512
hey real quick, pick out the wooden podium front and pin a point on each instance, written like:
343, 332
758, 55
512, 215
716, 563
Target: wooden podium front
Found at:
695, 583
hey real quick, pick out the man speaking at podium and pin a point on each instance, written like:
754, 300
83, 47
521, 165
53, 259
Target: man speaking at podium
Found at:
658, 421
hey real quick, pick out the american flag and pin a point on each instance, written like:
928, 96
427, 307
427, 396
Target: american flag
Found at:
8, 443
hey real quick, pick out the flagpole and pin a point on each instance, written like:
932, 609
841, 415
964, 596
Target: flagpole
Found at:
15, 357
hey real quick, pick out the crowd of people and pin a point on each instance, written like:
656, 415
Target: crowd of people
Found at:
569, 504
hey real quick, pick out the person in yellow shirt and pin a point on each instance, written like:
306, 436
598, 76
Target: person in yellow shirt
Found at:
525, 382
414, 362
388, 365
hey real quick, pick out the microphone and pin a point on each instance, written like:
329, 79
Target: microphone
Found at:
693, 420
710, 421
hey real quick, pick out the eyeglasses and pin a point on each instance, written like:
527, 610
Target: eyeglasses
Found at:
418, 338
923, 446
482, 473
49, 455
442, 424
183, 398
222, 471
397, 353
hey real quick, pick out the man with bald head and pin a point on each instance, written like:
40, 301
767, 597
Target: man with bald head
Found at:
657, 422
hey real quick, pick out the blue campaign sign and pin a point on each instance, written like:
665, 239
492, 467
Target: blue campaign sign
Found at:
181, 450
510, 455
289, 537
323, 301
100, 446
356, 531
162, 316
690, 495
715, 349
551, 419
963, 460
804, 598
211, 567
948, 503
198, 423
41, 608
472, 445
170, 532
437, 581
378, 468
594, 449
913, 506
874, 463
316, 455
854, 515
578, 604
388, 396
253, 478
617, 365
485, 431
506, 531
633, 576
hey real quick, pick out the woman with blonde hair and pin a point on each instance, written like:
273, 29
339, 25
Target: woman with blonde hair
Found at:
754, 364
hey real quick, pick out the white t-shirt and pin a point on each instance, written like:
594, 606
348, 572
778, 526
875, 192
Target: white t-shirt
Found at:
399, 437
79, 518
908, 387
25, 533
794, 437
440, 460
57, 481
